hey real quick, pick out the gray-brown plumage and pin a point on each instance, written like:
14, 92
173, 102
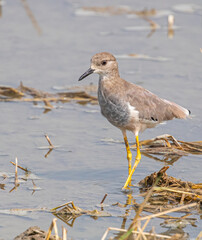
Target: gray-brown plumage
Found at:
126, 105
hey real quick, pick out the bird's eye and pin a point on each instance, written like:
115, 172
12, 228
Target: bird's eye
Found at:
104, 63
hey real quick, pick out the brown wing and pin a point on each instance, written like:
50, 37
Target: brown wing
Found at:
151, 107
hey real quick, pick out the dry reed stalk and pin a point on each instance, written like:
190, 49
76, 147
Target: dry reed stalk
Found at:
24, 169
55, 228
50, 99
143, 228
49, 141
176, 191
169, 211
141, 233
103, 198
49, 231
64, 233
199, 236
65, 204
170, 26
134, 232
53, 225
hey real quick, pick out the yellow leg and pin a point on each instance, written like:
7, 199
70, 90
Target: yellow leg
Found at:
129, 154
137, 160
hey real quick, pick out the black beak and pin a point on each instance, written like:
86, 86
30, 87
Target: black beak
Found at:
88, 72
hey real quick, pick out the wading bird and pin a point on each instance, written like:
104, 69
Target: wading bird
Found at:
127, 106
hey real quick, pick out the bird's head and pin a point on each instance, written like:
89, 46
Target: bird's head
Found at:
104, 64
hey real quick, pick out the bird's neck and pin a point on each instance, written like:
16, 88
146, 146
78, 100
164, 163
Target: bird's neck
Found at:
109, 76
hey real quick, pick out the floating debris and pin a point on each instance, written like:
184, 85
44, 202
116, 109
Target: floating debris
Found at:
168, 145
113, 11
9, 92
34, 233
22, 91
38, 234
170, 190
18, 179
24, 169
135, 234
69, 212
22, 211
150, 192
2, 186
178, 223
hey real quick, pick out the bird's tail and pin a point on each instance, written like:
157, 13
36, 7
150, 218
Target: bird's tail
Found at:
180, 112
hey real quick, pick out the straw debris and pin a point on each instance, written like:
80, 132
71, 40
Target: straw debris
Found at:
9, 92
120, 11
28, 94
167, 145
69, 212
170, 190
34, 233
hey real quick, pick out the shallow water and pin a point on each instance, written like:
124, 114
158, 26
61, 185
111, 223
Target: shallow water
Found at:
84, 167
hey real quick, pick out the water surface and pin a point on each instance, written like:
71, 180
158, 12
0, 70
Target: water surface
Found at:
84, 167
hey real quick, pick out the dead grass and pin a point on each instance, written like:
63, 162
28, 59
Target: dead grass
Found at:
170, 190
28, 94
167, 145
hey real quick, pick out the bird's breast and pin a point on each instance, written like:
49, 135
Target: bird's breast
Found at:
115, 110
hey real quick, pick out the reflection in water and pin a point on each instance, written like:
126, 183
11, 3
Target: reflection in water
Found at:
170, 26
31, 16
70, 212
168, 159
15, 187
68, 219
49, 151
130, 202
16, 176
179, 231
